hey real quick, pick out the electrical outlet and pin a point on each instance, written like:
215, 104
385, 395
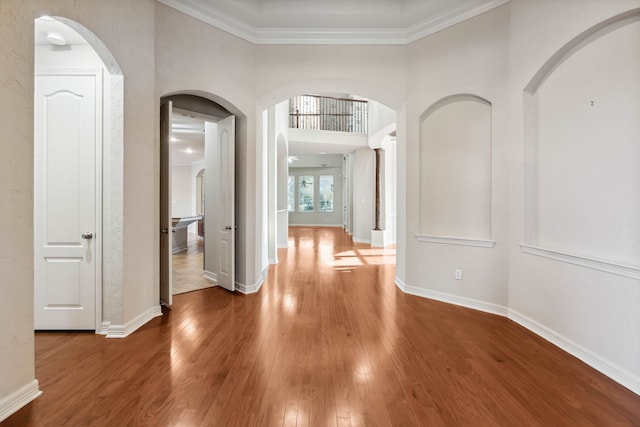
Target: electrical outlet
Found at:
458, 274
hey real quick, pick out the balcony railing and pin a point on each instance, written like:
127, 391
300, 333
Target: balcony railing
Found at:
313, 112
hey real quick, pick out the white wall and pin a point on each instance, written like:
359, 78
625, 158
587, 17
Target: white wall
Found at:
468, 58
132, 44
363, 194
455, 168
222, 69
581, 189
182, 191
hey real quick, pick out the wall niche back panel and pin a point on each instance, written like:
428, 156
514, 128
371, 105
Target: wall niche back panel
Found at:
455, 168
583, 153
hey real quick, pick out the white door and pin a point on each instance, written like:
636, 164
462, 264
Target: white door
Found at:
67, 136
166, 227
226, 191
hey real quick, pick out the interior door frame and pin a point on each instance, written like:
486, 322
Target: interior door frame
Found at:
101, 135
165, 206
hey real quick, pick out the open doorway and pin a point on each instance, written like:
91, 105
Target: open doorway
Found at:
196, 196
341, 168
77, 167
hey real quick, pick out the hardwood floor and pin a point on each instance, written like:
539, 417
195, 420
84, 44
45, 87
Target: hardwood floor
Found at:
328, 341
187, 268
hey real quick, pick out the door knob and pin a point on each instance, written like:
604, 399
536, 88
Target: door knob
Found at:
228, 227
87, 236
165, 231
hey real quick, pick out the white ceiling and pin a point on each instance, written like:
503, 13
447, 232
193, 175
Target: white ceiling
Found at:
187, 138
333, 21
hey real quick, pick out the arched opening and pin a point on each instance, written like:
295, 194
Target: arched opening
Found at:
330, 172
78, 172
197, 195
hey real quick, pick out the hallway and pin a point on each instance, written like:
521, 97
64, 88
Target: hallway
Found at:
328, 340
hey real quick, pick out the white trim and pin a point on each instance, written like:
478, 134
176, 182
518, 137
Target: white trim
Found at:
355, 239
480, 243
210, 276
273, 260
123, 331
316, 225
400, 284
608, 368
252, 289
283, 246
625, 270
364, 36
13, 402
474, 304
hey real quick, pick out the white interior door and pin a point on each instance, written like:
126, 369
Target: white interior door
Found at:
166, 227
67, 137
226, 185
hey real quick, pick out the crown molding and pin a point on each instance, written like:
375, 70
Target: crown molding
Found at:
344, 36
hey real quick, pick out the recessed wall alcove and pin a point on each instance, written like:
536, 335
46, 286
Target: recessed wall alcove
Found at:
582, 134
455, 172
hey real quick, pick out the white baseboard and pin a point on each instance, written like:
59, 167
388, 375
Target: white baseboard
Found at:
474, 304
599, 363
210, 276
123, 331
283, 245
315, 225
273, 260
366, 241
252, 289
13, 402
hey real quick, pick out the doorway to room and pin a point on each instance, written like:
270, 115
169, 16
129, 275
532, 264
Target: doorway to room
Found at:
197, 158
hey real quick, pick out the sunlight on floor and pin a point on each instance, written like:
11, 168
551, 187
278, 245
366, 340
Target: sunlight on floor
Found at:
360, 257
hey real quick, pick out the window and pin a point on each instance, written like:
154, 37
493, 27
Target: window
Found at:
305, 194
326, 193
291, 186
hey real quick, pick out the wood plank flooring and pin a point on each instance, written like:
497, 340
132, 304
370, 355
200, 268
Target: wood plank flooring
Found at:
328, 341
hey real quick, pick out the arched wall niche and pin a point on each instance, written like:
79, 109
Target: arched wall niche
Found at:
455, 171
581, 152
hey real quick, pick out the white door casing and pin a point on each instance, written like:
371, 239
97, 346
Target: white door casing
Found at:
67, 170
166, 226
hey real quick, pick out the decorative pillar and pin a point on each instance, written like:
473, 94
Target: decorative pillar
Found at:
378, 213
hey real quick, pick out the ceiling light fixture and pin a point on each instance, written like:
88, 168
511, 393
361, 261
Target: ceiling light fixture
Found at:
56, 39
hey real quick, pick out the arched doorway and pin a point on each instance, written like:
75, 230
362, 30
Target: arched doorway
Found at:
78, 164
216, 127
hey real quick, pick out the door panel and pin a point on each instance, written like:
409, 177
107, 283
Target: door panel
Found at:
226, 180
67, 134
166, 227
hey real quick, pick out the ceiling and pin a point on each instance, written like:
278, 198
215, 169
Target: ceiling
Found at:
332, 21
187, 138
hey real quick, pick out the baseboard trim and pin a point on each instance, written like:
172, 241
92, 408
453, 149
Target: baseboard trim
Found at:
123, 331
210, 276
252, 289
599, 363
366, 241
12, 403
474, 304
273, 260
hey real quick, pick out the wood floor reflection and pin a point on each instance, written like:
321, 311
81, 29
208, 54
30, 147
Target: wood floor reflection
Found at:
328, 341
